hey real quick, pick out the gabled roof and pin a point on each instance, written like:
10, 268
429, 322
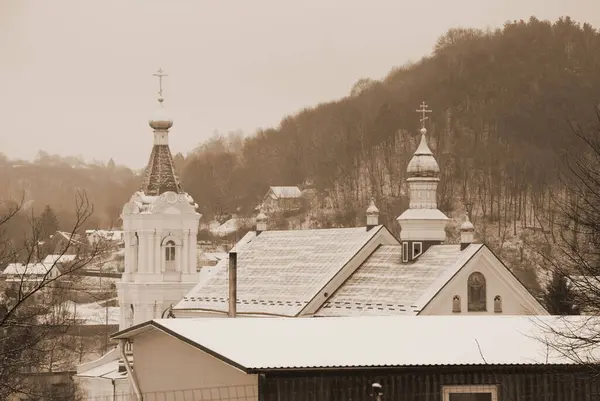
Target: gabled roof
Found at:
383, 285
280, 272
28, 269
75, 239
160, 176
382, 341
286, 192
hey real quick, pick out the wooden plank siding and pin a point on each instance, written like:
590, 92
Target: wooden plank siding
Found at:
518, 383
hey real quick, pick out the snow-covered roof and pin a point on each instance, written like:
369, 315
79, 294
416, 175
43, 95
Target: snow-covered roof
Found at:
51, 259
109, 235
422, 214
383, 285
280, 272
229, 227
73, 238
286, 192
28, 269
108, 370
213, 256
382, 341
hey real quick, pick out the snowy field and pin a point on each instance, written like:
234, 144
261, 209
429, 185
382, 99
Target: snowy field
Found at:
94, 312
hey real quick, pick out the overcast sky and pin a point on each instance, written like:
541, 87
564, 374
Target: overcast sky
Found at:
76, 76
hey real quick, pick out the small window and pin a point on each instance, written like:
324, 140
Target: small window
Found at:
456, 304
170, 251
417, 249
405, 251
497, 304
470, 393
476, 293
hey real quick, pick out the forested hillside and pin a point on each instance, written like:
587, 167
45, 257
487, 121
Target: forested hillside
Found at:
502, 102
53, 181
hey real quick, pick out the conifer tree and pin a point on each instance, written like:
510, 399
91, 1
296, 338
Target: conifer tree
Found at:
48, 222
559, 297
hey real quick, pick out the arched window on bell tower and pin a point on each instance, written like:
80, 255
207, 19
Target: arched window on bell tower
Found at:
170, 256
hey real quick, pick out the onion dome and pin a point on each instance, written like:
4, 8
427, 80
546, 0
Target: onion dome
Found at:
423, 164
372, 209
467, 225
160, 120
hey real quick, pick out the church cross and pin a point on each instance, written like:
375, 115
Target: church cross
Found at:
160, 74
423, 110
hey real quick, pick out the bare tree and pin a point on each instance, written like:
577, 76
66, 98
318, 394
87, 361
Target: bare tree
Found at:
35, 317
572, 250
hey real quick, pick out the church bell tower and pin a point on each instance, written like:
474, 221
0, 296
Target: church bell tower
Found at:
160, 226
422, 224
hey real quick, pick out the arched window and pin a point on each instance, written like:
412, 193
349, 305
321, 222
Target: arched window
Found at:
170, 251
456, 304
476, 293
498, 304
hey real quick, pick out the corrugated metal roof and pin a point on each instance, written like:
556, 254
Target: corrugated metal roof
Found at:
279, 272
287, 343
383, 285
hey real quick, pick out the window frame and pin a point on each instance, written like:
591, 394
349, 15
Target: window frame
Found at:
405, 254
170, 251
414, 256
470, 389
456, 300
498, 304
485, 294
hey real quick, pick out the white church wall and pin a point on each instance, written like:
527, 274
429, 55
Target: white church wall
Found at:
515, 299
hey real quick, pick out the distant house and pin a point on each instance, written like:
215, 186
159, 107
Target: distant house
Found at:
282, 199
95, 236
31, 272
28, 277
62, 242
436, 358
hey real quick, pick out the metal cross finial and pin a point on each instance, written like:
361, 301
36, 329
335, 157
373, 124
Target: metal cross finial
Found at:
423, 110
160, 74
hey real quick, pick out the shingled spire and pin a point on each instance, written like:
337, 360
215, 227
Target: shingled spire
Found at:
160, 176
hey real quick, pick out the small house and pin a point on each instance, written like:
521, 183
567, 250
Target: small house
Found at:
282, 199
433, 358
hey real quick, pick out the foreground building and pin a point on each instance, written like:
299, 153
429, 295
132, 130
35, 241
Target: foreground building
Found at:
434, 358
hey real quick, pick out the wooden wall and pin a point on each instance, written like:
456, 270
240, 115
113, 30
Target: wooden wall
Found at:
519, 383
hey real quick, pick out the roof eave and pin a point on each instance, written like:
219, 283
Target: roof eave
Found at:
477, 366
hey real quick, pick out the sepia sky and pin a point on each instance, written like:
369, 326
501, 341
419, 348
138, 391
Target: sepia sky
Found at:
76, 76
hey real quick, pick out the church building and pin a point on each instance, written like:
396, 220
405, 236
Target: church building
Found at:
339, 272
160, 226
362, 271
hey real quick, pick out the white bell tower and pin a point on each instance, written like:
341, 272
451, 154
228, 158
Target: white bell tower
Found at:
160, 224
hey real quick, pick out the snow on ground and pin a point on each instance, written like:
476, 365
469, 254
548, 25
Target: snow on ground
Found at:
94, 313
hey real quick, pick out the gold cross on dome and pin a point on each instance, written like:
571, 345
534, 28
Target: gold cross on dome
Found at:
423, 110
160, 74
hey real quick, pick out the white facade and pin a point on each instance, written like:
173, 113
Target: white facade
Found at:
503, 293
160, 255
